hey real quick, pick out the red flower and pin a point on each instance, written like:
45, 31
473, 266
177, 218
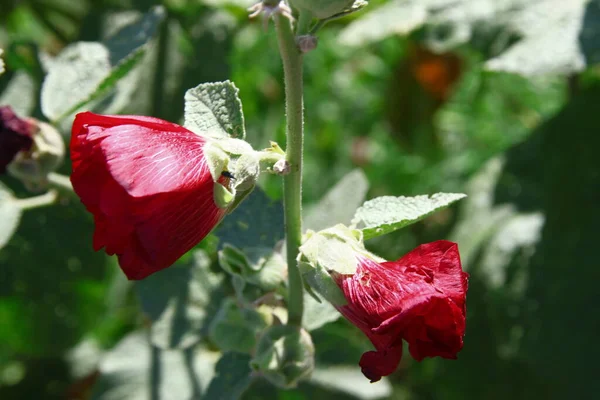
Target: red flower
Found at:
16, 135
148, 185
419, 298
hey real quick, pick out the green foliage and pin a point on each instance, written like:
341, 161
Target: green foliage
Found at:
256, 223
232, 377
519, 140
340, 203
544, 45
136, 370
386, 214
85, 71
215, 110
181, 301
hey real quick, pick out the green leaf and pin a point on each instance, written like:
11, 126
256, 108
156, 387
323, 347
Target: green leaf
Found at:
235, 328
479, 218
560, 42
317, 314
20, 94
215, 110
232, 377
340, 203
84, 71
134, 370
350, 380
10, 215
256, 223
180, 301
262, 267
386, 214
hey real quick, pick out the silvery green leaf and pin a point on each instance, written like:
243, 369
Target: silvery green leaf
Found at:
215, 110
232, 377
20, 94
349, 380
340, 203
85, 71
555, 36
135, 370
180, 301
386, 214
317, 314
257, 222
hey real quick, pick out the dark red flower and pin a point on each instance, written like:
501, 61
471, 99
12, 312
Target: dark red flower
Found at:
148, 185
419, 298
16, 135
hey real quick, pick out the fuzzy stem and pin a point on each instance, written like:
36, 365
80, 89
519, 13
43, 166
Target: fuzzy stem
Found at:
60, 182
43, 200
292, 183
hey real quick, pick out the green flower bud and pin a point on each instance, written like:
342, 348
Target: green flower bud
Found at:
284, 356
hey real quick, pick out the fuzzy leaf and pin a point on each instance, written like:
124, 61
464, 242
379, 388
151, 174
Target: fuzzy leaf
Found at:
215, 110
232, 377
10, 215
340, 203
556, 36
317, 314
20, 94
256, 223
386, 214
180, 301
134, 370
349, 380
84, 71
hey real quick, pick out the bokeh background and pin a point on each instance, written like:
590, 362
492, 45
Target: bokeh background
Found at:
496, 99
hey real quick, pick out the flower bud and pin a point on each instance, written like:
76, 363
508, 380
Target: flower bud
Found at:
36, 147
284, 356
322, 9
307, 43
16, 135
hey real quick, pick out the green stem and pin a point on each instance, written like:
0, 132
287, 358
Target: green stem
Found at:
292, 183
304, 21
59, 181
38, 201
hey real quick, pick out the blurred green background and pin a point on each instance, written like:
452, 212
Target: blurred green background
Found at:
496, 99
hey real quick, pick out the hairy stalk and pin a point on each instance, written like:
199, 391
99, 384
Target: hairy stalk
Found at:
292, 183
43, 200
60, 182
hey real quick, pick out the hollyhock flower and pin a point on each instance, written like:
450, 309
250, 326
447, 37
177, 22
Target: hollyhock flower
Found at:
16, 135
420, 299
149, 186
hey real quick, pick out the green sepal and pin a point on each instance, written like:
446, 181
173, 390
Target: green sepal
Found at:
222, 196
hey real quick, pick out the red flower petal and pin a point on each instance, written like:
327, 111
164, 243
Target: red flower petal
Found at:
148, 185
419, 298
